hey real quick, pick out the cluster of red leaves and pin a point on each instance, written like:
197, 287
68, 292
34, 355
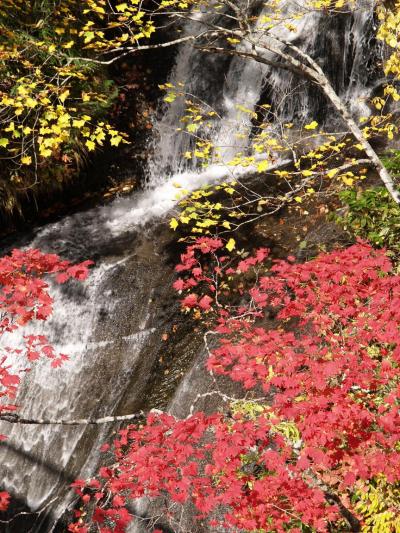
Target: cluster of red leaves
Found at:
335, 370
331, 368
4, 500
24, 297
203, 284
213, 462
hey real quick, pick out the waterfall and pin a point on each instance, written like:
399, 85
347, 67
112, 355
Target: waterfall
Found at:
343, 45
111, 326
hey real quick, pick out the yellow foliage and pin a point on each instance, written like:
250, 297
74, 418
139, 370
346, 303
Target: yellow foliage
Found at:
231, 244
173, 224
389, 31
201, 215
312, 126
263, 165
44, 109
378, 502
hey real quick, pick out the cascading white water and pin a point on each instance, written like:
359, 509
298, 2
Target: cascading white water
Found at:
107, 325
342, 45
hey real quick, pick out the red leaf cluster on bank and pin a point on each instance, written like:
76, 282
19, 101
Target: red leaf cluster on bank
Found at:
329, 364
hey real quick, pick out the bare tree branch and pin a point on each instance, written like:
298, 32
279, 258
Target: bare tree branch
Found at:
140, 48
13, 418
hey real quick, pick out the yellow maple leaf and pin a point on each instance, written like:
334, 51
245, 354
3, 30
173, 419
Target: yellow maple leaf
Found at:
91, 145
231, 244
262, 165
78, 123
114, 141
45, 152
173, 224
332, 173
311, 126
347, 181
64, 95
26, 160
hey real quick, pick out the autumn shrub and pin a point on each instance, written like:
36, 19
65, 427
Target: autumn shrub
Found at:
318, 429
53, 107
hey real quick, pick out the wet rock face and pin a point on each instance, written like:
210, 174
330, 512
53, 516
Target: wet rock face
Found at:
121, 362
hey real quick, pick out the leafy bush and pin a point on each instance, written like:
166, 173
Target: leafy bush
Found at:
392, 162
320, 446
372, 215
53, 99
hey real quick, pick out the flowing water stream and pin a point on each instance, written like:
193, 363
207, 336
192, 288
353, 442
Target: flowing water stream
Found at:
112, 325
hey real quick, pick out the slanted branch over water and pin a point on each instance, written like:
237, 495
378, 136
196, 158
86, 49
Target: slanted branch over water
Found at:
16, 419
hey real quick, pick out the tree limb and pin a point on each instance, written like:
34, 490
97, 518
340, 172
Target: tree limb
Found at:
13, 418
309, 68
140, 48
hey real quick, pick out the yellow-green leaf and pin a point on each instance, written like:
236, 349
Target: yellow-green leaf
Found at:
26, 160
173, 224
311, 126
231, 244
89, 36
